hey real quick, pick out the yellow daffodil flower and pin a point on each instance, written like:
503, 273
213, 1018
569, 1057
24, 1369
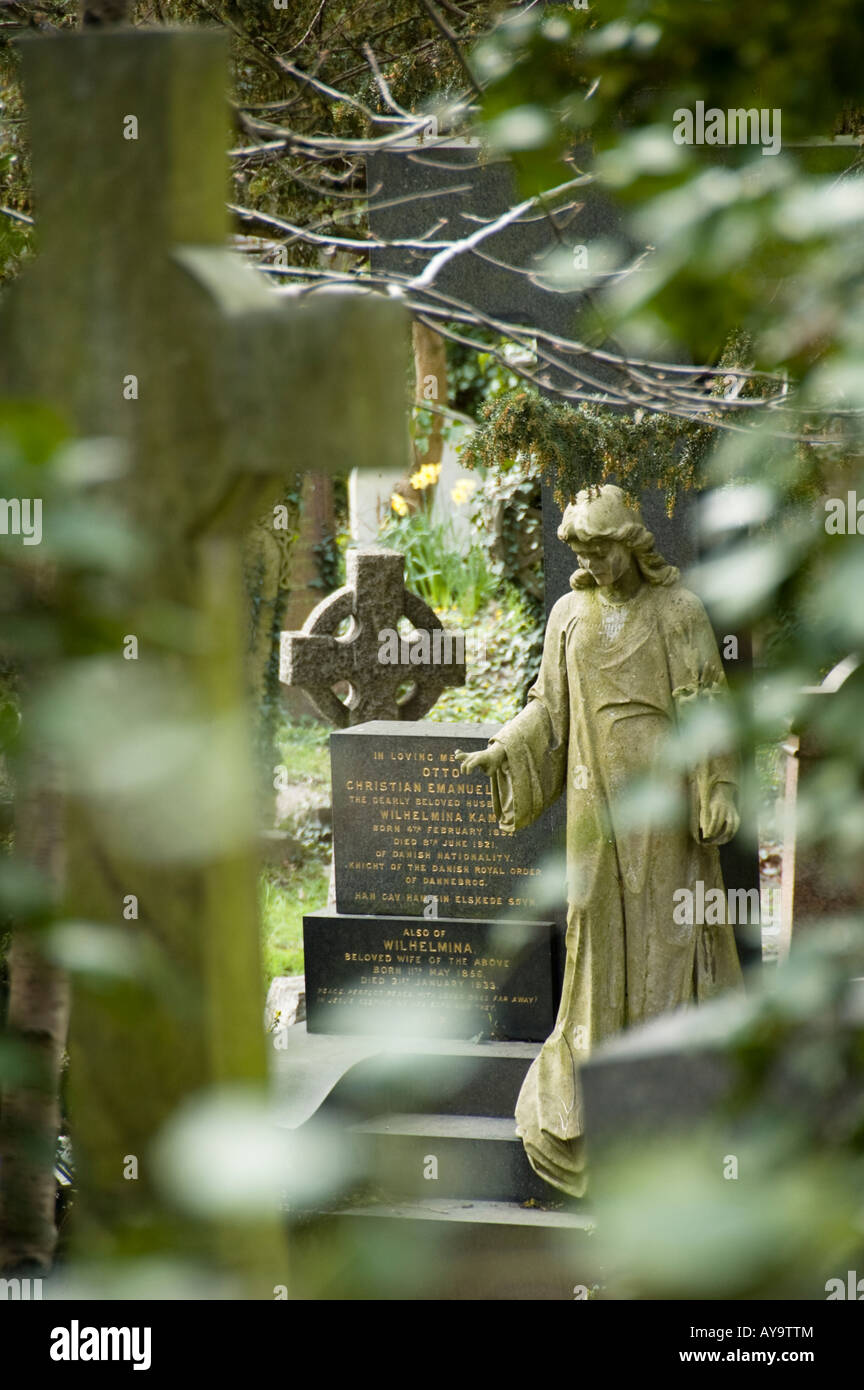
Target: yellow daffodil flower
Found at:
463, 490
426, 476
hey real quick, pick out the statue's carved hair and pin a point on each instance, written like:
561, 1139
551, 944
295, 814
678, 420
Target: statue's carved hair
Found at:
578, 524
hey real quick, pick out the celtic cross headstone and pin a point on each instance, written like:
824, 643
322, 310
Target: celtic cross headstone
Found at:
373, 602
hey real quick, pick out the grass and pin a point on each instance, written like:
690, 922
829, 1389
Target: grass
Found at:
287, 891
285, 894
304, 749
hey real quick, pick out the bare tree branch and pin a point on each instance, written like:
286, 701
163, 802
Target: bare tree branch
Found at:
459, 248
444, 28
17, 216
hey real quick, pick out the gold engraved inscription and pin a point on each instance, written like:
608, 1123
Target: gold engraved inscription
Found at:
425, 966
434, 833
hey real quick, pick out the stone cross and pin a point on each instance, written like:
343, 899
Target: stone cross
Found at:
136, 322
374, 600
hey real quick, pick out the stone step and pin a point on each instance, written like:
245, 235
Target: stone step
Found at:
447, 1249
364, 1077
477, 1157
481, 1079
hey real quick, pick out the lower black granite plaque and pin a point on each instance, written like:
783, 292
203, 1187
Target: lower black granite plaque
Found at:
409, 826
435, 977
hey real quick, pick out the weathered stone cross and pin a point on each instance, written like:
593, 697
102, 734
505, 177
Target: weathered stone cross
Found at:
371, 656
137, 323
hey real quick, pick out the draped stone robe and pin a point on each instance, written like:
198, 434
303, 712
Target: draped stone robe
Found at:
612, 681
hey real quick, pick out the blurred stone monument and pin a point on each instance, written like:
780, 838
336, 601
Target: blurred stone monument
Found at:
138, 324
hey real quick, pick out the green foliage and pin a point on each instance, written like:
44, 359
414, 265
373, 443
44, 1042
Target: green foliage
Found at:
60, 597
503, 652
15, 234
14, 245
653, 58
555, 75
768, 244
572, 448
534, 91
330, 551
437, 568
330, 559
505, 509
672, 1227
476, 376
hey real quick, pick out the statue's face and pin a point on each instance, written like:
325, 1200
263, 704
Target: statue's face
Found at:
606, 560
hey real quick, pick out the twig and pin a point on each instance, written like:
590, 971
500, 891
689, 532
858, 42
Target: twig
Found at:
267, 219
17, 216
444, 28
458, 248
382, 86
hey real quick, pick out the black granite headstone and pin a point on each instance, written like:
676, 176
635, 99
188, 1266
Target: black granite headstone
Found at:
434, 978
440, 928
414, 834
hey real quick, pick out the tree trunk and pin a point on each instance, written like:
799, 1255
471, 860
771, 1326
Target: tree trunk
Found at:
38, 1018
430, 385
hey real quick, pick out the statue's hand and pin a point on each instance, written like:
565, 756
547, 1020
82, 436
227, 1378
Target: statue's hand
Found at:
719, 819
487, 760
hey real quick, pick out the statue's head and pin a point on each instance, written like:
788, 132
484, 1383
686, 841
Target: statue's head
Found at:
605, 530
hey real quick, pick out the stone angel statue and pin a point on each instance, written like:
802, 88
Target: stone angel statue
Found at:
624, 652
